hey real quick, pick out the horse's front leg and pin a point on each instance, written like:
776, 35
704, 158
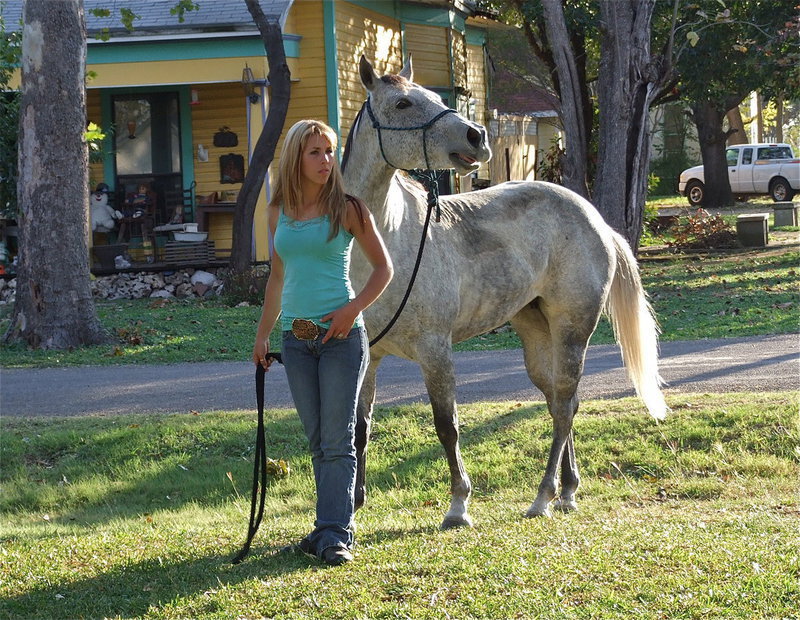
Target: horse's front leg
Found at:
440, 381
366, 400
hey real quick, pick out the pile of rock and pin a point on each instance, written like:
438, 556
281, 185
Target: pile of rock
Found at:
8, 291
182, 283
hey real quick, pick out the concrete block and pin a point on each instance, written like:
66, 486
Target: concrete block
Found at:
752, 229
786, 213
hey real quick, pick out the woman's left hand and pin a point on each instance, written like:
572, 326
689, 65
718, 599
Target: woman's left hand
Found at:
341, 322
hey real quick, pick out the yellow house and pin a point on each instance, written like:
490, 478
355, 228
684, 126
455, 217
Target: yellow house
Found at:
164, 90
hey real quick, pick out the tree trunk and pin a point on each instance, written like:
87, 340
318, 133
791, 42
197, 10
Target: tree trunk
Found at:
759, 118
54, 307
779, 118
264, 151
574, 169
627, 86
738, 135
708, 120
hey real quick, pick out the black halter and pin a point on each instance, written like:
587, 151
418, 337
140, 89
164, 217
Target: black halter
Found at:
428, 176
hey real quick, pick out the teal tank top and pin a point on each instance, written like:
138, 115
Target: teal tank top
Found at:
316, 272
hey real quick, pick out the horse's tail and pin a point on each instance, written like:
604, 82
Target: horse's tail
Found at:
635, 329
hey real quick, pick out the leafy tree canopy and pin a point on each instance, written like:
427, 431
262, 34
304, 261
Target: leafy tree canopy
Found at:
10, 48
727, 50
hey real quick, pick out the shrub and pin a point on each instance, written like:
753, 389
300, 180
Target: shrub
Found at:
246, 286
703, 230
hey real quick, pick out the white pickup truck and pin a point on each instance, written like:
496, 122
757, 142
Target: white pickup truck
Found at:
753, 169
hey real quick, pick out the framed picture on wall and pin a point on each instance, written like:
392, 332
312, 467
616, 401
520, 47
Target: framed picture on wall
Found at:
231, 168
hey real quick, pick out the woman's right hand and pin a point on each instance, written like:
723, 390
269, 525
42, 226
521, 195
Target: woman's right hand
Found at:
261, 353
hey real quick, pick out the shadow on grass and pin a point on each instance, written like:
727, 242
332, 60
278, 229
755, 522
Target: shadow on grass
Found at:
88, 473
133, 589
145, 466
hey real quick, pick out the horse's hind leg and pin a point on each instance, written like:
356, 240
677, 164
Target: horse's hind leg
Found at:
366, 400
563, 404
570, 478
439, 374
555, 370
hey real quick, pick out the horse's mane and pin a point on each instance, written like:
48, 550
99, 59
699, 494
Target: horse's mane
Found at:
348, 145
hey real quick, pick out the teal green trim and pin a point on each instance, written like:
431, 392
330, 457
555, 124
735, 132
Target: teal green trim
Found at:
416, 14
475, 36
194, 49
187, 150
331, 69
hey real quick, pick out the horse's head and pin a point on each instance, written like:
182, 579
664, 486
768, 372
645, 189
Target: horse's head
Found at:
416, 130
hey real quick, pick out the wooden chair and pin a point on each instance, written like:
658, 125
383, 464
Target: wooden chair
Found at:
179, 205
133, 225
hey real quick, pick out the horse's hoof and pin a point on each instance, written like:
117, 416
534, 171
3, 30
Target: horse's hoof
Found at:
451, 522
538, 512
565, 505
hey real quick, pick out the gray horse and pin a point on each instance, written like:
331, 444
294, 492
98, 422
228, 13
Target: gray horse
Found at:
531, 253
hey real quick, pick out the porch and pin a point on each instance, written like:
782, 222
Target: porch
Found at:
147, 241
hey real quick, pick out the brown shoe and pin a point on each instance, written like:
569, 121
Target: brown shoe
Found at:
335, 556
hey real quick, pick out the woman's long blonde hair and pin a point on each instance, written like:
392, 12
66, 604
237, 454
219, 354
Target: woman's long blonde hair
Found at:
286, 191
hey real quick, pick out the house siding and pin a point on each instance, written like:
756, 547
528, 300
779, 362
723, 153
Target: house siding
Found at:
361, 31
309, 95
428, 46
476, 84
458, 46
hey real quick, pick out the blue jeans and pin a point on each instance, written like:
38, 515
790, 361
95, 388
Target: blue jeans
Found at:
325, 380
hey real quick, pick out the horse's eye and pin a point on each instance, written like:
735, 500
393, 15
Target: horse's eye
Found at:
402, 104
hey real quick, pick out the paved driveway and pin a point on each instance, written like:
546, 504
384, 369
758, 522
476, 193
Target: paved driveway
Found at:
739, 364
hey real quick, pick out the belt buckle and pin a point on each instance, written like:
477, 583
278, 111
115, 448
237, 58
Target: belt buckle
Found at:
303, 329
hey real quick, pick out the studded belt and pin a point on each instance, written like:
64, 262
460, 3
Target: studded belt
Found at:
303, 329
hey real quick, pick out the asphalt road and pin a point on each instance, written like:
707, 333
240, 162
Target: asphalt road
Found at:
765, 363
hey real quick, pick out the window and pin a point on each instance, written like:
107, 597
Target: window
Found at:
747, 156
732, 155
774, 152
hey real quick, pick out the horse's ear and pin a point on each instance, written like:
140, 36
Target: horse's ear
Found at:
407, 71
368, 76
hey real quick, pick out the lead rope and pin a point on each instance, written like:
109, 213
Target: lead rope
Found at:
259, 465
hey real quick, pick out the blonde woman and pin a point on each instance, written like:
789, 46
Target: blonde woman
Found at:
325, 347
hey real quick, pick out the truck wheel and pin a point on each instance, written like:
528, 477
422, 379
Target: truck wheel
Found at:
780, 190
694, 192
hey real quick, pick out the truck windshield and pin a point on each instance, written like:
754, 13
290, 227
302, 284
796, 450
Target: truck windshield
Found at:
774, 152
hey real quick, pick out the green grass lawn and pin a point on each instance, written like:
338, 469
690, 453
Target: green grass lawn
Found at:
138, 516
